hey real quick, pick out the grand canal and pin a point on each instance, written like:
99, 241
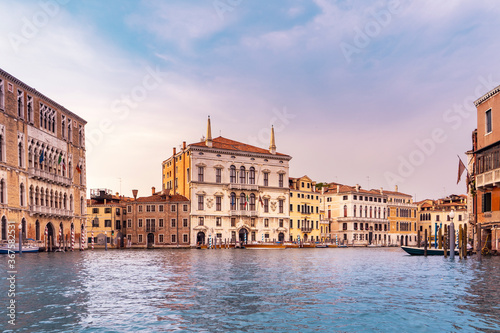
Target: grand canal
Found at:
293, 290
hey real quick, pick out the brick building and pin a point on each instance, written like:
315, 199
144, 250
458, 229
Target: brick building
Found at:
156, 221
42, 164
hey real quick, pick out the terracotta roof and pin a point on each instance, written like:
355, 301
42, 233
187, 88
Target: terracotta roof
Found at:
347, 189
396, 193
227, 144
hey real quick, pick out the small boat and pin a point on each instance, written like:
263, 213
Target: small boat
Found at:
321, 246
265, 246
419, 251
26, 248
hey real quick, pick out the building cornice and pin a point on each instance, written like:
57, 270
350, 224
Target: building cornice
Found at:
35, 92
486, 96
239, 153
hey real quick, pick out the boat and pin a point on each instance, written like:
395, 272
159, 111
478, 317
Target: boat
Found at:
265, 246
419, 251
321, 246
26, 248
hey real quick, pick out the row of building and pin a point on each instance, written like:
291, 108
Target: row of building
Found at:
213, 191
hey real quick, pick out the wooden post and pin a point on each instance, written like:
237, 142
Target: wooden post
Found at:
50, 243
440, 239
460, 241
479, 241
466, 237
445, 241
425, 244
418, 238
430, 236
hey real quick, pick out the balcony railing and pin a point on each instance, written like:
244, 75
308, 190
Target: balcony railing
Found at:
248, 187
250, 213
489, 178
50, 177
306, 229
50, 211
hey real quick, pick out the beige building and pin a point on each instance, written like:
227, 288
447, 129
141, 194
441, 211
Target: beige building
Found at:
42, 165
304, 211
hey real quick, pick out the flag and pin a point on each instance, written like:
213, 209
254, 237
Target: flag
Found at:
60, 159
42, 156
461, 168
246, 200
260, 200
63, 165
78, 169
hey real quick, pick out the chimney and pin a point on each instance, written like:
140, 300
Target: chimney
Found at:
357, 187
381, 190
396, 187
175, 151
322, 190
153, 190
134, 193
338, 188
183, 145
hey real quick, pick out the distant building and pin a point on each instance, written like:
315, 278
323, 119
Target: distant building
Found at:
237, 191
42, 165
106, 216
157, 221
304, 211
486, 158
402, 216
435, 214
358, 217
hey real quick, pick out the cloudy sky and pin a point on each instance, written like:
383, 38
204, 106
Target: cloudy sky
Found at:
370, 92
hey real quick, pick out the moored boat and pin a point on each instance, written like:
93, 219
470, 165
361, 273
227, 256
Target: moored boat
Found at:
26, 248
419, 251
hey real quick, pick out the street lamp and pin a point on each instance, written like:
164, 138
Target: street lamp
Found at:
20, 238
451, 235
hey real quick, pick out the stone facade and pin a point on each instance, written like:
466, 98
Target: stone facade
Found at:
42, 165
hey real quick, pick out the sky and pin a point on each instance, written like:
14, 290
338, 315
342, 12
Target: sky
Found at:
375, 93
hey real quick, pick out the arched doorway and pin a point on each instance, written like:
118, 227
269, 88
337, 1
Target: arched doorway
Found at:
120, 239
200, 238
243, 234
402, 241
37, 230
23, 228
151, 240
406, 240
281, 237
49, 235
305, 237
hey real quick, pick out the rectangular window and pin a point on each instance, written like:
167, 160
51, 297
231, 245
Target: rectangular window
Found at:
129, 209
139, 224
252, 222
95, 210
233, 222
266, 223
140, 239
172, 208
160, 223
185, 208
174, 239
486, 202
107, 223
218, 204
129, 223
218, 222
160, 238
489, 126
280, 180
266, 205
291, 208
160, 208
266, 178
201, 174
2, 95
281, 203
291, 224
185, 238
201, 202
140, 208
107, 210
437, 218
201, 221
185, 223
218, 175
281, 223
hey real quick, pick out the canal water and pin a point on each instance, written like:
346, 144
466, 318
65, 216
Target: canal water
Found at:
293, 290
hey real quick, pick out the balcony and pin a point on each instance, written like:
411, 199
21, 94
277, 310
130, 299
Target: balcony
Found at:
488, 179
247, 187
249, 213
49, 177
50, 211
306, 229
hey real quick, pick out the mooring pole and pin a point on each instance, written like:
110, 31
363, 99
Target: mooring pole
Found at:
425, 243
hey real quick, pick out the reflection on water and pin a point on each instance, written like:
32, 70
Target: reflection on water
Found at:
293, 290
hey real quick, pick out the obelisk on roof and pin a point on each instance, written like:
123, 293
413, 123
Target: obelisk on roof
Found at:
272, 147
208, 140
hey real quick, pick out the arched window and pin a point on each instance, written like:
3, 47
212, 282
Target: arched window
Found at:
65, 201
345, 210
56, 196
21, 194
31, 195
371, 212
51, 198
397, 212
82, 206
379, 212
360, 211
233, 201
232, 174
354, 210
47, 198
37, 230
366, 211
242, 175
252, 201
4, 228
71, 202
2, 191
251, 175
42, 194
242, 201
397, 226
20, 154
23, 228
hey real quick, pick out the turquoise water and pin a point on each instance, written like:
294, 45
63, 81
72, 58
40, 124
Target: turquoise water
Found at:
293, 290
